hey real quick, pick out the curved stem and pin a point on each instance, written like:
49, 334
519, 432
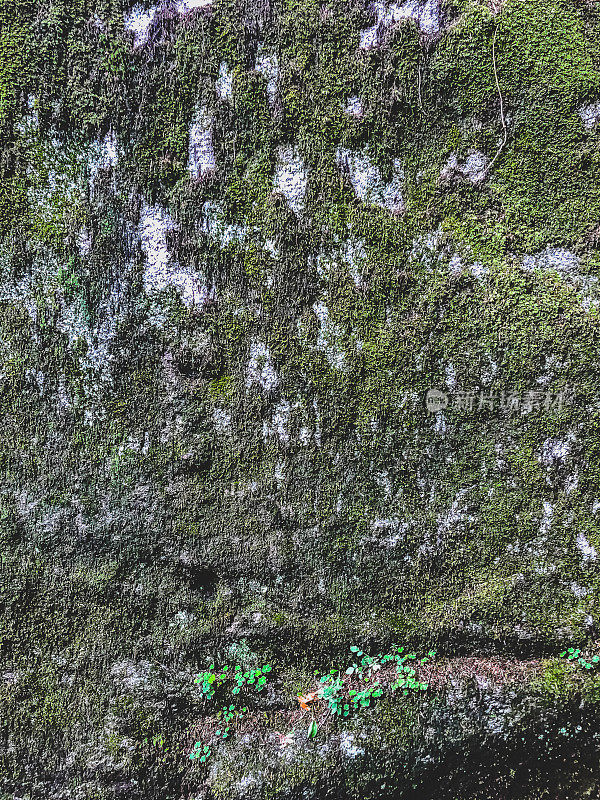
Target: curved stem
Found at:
504, 128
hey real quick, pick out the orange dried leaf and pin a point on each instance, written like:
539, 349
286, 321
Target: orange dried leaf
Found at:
305, 699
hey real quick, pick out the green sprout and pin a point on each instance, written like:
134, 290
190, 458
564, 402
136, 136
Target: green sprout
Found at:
341, 700
200, 751
573, 654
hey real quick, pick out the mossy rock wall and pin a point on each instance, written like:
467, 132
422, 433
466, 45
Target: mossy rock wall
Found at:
240, 243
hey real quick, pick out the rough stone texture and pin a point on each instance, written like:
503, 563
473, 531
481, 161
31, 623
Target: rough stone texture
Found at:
240, 242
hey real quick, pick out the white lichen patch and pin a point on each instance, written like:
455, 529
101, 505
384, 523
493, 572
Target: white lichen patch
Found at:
384, 481
354, 255
304, 435
590, 115
349, 257
272, 249
547, 515
454, 517
58, 174
135, 443
291, 177
104, 156
370, 37
425, 14
456, 265
349, 747
260, 368
478, 270
429, 17
558, 259
183, 619
74, 323
189, 5
324, 264
83, 240
554, 452
267, 65
572, 482
216, 227
473, 169
130, 675
579, 591
587, 550
224, 83
63, 398
328, 339
568, 265
431, 251
489, 372
191, 287
280, 421
161, 270
28, 124
354, 107
138, 21
222, 420
201, 154
440, 423
368, 183
109, 155
154, 225
36, 377
386, 532
56, 204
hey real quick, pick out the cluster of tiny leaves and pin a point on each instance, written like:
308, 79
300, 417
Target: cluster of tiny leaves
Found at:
254, 677
333, 687
573, 654
200, 751
210, 681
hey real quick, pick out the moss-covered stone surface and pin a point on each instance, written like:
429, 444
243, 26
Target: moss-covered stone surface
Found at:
240, 241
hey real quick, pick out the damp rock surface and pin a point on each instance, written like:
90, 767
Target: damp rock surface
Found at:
299, 350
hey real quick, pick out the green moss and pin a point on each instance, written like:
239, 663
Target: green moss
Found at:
540, 176
379, 524
560, 680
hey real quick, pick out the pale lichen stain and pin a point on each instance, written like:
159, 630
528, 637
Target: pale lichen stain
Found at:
291, 177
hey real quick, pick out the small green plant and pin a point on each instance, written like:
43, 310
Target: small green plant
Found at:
574, 655
210, 681
406, 674
362, 697
332, 691
343, 692
200, 751
215, 682
157, 741
255, 677
341, 699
